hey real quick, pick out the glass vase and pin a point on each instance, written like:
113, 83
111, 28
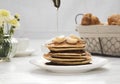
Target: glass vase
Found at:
5, 48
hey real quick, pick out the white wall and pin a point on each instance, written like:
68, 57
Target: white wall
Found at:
38, 17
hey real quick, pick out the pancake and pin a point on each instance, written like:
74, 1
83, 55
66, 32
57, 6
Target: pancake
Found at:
69, 51
65, 48
50, 58
72, 63
71, 57
64, 44
68, 54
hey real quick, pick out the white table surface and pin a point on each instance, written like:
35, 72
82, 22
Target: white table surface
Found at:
20, 71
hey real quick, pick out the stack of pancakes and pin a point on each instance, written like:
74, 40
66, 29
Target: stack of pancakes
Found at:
67, 51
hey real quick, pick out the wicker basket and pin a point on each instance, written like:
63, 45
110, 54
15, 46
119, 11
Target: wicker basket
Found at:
101, 39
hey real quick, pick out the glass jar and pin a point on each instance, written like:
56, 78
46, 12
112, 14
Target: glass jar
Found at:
5, 48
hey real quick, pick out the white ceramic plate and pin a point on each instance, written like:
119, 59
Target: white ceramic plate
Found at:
27, 52
97, 62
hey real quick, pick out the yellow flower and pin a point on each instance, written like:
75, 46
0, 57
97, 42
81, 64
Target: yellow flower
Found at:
14, 22
4, 15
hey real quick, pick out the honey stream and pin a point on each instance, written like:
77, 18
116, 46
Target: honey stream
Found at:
57, 21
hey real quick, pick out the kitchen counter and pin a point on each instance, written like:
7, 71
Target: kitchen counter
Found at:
20, 71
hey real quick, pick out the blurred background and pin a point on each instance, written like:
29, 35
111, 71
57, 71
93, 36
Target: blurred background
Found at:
38, 17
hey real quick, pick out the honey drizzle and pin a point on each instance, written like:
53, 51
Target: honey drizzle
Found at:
57, 19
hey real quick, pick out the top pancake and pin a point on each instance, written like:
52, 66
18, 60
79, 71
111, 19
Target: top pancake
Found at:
65, 44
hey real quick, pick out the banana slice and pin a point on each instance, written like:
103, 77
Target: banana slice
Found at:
74, 36
71, 40
59, 39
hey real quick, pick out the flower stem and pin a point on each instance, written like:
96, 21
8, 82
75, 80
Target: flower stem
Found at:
8, 29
